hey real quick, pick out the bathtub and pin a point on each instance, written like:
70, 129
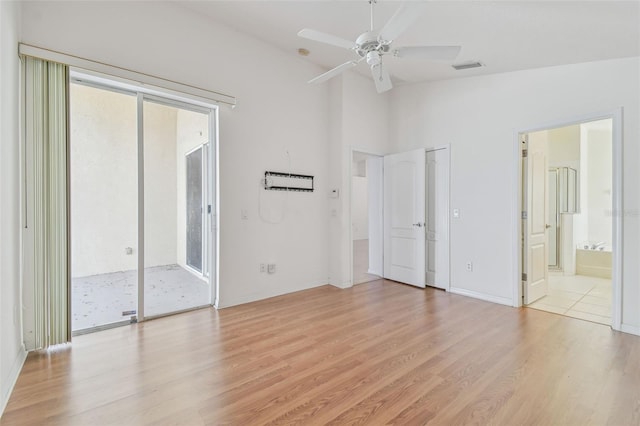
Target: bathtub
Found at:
593, 263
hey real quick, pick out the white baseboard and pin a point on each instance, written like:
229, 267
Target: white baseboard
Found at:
254, 297
7, 387
486, 297
631, 329
345, 284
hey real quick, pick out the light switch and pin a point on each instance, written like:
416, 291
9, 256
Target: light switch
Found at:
456, 213
244, 214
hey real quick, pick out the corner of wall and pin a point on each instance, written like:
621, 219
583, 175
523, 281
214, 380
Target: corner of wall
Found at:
12, 351
336, 255
359, 119
12, 378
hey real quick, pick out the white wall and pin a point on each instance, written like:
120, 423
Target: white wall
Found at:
594, 223
339, 243
277, 111
358, 120
598, 171
12, 353
480, 117
564, 145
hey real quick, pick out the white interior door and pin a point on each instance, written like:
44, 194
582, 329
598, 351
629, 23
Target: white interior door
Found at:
437, 221
536, 222
404, 217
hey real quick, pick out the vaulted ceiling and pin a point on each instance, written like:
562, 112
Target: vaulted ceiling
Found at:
503, 35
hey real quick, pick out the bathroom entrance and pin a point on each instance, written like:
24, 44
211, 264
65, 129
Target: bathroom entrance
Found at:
567, 220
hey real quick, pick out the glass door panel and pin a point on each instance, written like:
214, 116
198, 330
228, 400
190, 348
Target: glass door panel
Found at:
103, 207
175, 208
195, 209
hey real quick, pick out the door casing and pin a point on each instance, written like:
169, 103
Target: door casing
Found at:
441, 211
448, 198
616, 276
107, 82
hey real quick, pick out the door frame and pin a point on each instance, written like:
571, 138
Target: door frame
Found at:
617, 224
175, 100
211, 112
447, 148
348, 200
558, 220
354, 149
204, 274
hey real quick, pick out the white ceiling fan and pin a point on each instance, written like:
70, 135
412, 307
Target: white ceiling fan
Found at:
374, 44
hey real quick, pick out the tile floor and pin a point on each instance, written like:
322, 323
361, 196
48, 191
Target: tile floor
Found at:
100, 299
578, 296
361, 262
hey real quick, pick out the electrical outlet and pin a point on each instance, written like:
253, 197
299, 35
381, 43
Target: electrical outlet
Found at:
469, 266
263, 267
271, 268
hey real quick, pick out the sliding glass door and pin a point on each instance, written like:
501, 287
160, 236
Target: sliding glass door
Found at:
103, 170
175, 207
141, 205
195, 209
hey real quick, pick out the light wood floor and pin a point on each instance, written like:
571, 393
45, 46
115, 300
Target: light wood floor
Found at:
379, 353
361, 262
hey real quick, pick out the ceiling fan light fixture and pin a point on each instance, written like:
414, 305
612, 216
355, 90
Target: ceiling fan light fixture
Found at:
372, 45
467, 65
373, 58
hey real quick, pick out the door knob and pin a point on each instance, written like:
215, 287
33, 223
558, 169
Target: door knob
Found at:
419, 224
547, 226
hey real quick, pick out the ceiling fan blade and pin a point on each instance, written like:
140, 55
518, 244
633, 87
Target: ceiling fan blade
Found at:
401, 20
326, 38
381, 78
430, 53
334, 72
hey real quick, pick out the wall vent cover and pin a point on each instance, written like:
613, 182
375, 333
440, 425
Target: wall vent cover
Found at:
467, 65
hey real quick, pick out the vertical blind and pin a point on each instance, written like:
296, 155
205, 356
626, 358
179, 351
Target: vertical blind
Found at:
46, 132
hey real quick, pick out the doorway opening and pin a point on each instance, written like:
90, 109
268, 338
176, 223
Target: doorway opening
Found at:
366, 217
406, 210
141, 204
568, 226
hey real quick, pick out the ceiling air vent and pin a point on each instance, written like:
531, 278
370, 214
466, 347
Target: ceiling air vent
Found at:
467, 65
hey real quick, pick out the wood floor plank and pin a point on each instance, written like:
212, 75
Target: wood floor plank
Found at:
378, 353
